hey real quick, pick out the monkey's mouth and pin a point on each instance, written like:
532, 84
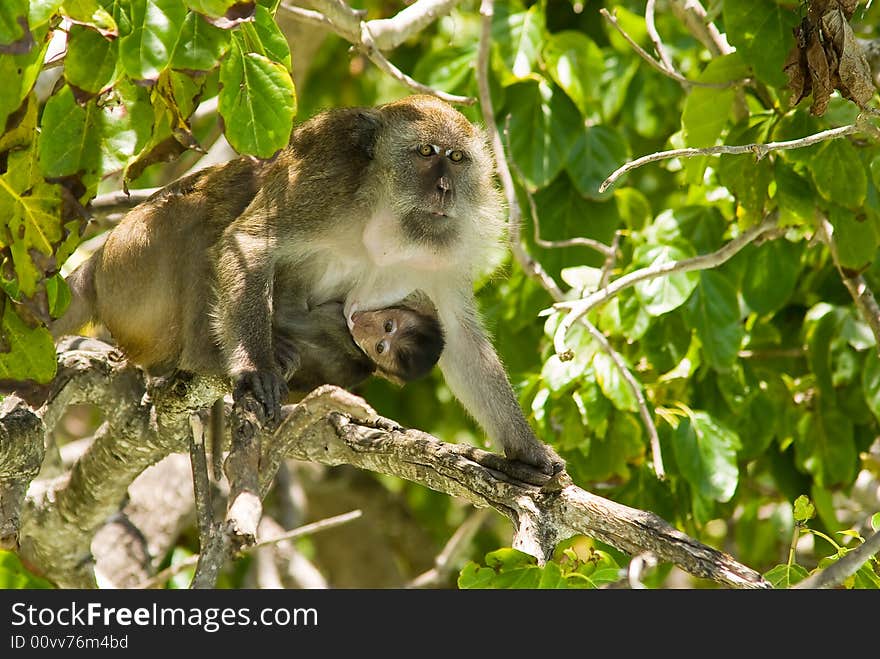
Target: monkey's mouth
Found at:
438, 214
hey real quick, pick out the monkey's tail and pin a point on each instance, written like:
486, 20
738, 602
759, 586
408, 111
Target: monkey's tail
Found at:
83, 297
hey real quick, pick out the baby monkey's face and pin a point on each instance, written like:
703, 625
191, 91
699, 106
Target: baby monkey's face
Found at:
403, 343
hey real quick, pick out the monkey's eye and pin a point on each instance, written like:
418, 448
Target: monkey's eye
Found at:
426, 150
389, 326
456, 156
380, 347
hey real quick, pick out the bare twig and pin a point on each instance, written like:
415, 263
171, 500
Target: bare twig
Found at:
304, 530
536, 223
836, 573
201, 485
579, 308
655, 37
368, 47
858, 288
448, 559
668, 72
610, 260
373, 37
760, 150
636, 389
694, 16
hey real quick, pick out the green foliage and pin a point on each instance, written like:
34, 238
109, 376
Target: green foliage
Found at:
134, 74
510, 568
760, 374
15, 575
788, 574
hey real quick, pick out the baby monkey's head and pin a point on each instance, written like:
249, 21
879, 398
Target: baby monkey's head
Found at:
403, 343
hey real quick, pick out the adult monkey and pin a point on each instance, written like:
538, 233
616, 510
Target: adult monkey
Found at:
365, 206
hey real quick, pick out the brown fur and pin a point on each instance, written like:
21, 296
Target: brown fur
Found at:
199, 277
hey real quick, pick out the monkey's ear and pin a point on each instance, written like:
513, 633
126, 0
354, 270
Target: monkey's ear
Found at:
366, 131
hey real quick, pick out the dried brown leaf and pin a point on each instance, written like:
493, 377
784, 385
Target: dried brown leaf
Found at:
852, 66
820, 76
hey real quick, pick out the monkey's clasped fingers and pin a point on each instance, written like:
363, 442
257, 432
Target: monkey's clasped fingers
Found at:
539, 456
261, 393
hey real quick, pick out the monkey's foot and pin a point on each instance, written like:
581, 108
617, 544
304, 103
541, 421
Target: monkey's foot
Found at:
538, 456
260, 393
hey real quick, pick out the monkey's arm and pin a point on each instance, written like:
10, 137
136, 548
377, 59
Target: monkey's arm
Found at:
476, 376
245, 274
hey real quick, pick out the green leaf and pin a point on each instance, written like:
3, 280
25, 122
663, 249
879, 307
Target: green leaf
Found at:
14, 575
19, 73
875, 521
506, 568
155, 27
576, 64
544, 125
88, 142
825, 446
839, 175
662, 294
224, 14
272, 39
666, 342
871, 382
714, 313
92, 15
518, 38
40, 11
450, 69
785, 576
634, 208
612, 383
855, 236
795, 197
804, 510
598, 151
31, 353
15, 33
200, 45
90, 64
706, 109
821, 325
761, 30
705, 451
257, 103
770, 275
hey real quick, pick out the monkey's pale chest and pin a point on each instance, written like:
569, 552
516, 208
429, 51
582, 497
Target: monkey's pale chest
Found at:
387, 247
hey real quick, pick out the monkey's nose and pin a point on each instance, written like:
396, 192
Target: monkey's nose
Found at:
444, 184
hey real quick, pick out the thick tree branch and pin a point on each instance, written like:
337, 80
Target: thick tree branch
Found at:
55, 532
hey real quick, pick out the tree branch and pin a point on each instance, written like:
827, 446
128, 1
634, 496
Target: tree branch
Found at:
373, 37
669, 71
836, 573
760, 150
858, 288
58, 520
579, 308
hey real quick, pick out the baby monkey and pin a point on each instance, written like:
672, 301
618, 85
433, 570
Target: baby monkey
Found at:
398, 343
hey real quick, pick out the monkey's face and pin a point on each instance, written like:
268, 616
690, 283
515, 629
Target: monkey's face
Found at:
440, 183
403, 343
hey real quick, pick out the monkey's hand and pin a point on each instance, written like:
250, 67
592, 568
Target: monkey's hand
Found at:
536, 454
260, 393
